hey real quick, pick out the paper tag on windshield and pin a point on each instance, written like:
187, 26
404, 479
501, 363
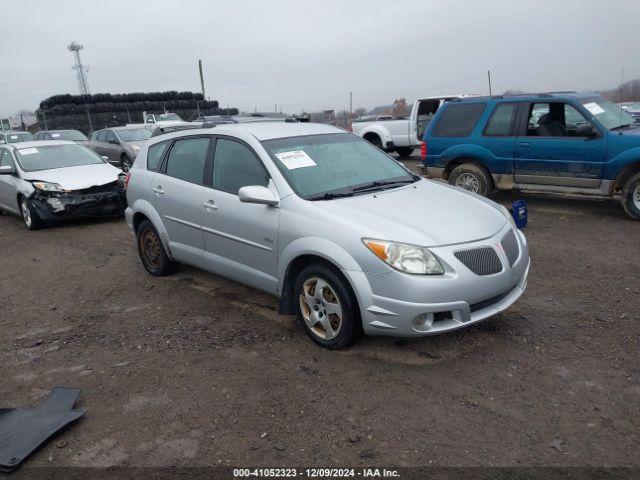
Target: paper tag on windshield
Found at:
594, 108
55, 135
28, 151
295, 159
13, 137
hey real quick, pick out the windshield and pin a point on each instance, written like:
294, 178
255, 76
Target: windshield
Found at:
168, 116
72, 135
133, 134
321, 164
56, 156
18, 137
608, 114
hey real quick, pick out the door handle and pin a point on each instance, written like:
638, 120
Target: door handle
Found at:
525, 144
211, 204
158, 189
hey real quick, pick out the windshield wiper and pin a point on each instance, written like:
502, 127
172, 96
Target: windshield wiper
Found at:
624, 125
331, 195
379, 184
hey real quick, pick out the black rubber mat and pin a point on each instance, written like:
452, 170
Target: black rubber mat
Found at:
23, 430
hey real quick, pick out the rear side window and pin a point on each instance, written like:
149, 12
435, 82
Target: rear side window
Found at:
458, 120
155, 155
187, 158
499, 125
235, 166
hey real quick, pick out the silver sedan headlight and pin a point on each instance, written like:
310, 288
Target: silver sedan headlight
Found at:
404, 257
48, 187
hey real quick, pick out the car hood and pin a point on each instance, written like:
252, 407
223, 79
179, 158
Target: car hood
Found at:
77, 178
425, 213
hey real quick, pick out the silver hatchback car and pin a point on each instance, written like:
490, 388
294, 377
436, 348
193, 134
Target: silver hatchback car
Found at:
348, 239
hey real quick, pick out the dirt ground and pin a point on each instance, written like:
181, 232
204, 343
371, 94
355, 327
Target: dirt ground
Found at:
193, 369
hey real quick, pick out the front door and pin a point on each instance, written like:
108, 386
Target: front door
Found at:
559, 146
178, 194
8, 183
241, 238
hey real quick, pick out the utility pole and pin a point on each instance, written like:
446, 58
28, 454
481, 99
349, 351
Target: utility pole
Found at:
81, 70
201, 79
489, 77
350, 104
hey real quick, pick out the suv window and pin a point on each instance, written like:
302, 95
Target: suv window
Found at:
458, 120
155, 155
556, 119
187, 158
236, 166
5, 158
499, 125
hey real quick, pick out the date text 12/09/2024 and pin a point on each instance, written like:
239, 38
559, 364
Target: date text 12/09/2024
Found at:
314, 473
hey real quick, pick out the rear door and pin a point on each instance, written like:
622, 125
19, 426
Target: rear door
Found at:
178, 194
554, 147
499, 137
241, 238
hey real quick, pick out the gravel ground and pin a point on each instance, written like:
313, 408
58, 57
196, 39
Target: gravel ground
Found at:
193, 369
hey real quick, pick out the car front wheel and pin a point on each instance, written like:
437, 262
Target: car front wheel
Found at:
153, 256
326, 307
631, 197
471, 177
29, 215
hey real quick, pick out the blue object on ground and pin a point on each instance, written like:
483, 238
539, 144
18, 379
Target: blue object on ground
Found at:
519, 212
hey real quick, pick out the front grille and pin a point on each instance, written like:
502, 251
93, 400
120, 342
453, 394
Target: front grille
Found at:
481, 261
511, 247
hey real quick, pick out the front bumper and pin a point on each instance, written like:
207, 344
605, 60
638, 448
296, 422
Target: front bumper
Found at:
404, 305
51, 208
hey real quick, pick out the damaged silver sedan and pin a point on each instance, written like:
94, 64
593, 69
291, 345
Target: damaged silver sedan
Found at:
49, 181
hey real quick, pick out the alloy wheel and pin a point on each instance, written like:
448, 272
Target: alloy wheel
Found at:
469, 182
26, 213
636, 197
321, 308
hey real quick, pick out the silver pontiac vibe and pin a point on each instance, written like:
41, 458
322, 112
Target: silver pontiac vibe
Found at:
348, 239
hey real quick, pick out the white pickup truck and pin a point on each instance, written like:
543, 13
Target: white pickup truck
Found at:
405, 134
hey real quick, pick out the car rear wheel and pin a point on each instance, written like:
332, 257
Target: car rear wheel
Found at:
404, 151
471, 177
630, 197
125, 163
151, 250
32, 220
327, 308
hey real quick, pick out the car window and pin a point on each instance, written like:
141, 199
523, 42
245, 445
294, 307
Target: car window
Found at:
236, 166
499, 125
109, 136
155, 155
100, 136
5, 158
556, 119
458, 120
187, 158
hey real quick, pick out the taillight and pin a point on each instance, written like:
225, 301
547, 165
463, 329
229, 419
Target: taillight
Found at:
423, 150
127, 177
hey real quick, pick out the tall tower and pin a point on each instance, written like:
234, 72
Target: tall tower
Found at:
81, 70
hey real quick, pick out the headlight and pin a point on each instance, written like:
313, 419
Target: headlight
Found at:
404, 257
48, 187
507, 214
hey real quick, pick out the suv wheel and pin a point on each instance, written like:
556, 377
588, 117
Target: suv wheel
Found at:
630, 197
471, 177
151, 250
29, 215
327, 308
404, 151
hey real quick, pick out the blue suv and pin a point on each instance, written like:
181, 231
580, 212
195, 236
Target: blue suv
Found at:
551, 142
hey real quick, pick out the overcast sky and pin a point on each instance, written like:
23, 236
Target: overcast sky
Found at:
310, 54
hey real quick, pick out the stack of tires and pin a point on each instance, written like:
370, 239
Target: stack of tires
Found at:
94, 112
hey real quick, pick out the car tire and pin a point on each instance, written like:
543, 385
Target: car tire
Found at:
473, 178
125, 162
152, 253
30, 217
375, 140
404, 152
630, 196
330, 316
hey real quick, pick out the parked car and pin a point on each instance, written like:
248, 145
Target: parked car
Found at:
632, 109
317, 216
552, 142
401, 135
70, 135
161, 119
119, 144
53, 180
15, 137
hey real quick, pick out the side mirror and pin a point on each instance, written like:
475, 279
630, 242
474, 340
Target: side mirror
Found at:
587, 130
6, 170
259, 195
113, 141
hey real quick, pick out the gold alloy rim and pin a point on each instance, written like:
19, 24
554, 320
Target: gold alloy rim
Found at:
321, 308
